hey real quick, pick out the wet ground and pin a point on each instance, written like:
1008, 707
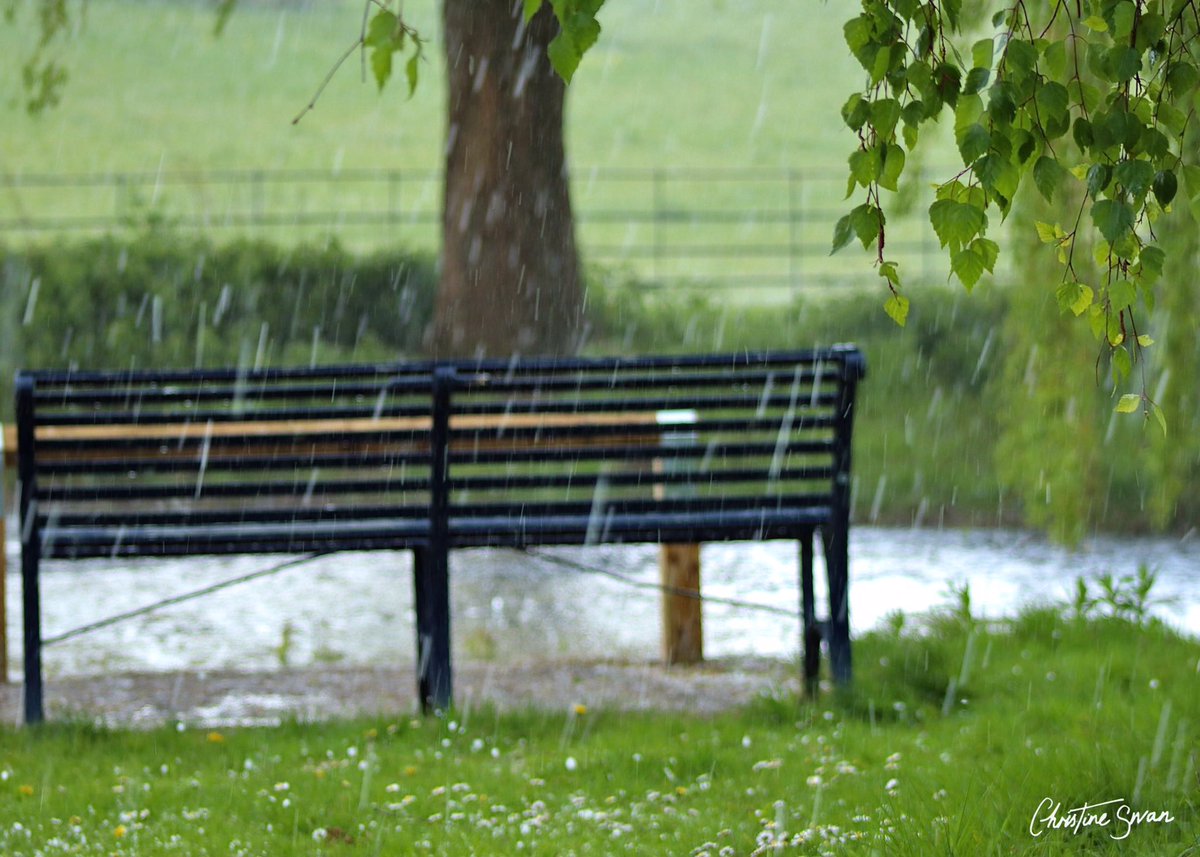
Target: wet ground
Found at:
336, 635
209, 699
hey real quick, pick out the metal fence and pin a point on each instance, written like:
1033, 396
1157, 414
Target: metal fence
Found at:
760, 229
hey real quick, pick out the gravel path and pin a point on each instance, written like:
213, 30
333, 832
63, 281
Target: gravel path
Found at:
224, 698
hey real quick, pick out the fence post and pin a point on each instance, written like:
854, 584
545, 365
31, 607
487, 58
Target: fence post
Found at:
793, 214
258, 197
393, 196
656, 203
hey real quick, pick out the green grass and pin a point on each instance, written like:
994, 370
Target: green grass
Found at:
954, 734
671, 81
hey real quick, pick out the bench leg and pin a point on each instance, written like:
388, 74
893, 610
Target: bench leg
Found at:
432, 589
837, 566
808, 606
32, 614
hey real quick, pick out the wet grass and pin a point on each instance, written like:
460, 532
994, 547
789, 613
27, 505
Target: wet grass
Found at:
954, 735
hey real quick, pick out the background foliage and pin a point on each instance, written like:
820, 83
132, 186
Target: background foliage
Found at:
950, 429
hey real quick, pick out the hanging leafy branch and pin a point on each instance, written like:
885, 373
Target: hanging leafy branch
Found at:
1115, 78
42, 75
385, 34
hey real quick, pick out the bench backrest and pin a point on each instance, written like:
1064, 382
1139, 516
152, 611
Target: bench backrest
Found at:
686, 449
742, 446
174, 463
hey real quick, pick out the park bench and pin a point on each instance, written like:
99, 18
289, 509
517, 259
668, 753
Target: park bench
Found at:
434, 456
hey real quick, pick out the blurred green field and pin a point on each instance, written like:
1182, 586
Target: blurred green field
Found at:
688, 88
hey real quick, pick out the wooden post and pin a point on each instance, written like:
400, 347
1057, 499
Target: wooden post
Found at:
679, 564
683, 637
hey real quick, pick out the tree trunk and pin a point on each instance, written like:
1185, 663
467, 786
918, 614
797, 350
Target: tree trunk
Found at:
510, 270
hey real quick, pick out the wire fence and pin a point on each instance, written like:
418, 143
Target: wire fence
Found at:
764, 230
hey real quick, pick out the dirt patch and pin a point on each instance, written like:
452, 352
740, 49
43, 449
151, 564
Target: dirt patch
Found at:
227, 697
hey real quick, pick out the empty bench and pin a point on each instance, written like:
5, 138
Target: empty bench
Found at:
434, 456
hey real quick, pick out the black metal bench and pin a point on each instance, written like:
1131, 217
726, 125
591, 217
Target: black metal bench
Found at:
429, 457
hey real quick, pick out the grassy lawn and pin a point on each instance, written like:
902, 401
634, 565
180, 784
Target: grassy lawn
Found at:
704, 83
677, 84
954, 736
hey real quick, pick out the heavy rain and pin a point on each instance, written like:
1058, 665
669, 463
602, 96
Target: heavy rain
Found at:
442, 426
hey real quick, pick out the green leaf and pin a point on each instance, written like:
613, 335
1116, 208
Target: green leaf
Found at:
1145, 341
1113, 218
967, 265
890, 271
1135, 175
531, 9
578, 31
885, 113
1152, 260
1096, 24
563, 56
999, 178
1121, 367
897, 309
1120, 17
987, 250
1130, 402
973, 143
1048, 174
412, 72
1124, 61
1165, 186
381, 65
1098, 177
843, 234
1075, 297
1121, 295
982, 53
1052, 103
1020, 57
977, 80
1158, 415
864, 165
1082, 132
883, 62
1054, 60
856, 111
947, 80
381, 31
955, 222
893, 166
1182, 78
1048, 233
867, 220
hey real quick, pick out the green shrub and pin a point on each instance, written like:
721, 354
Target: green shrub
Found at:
164, 301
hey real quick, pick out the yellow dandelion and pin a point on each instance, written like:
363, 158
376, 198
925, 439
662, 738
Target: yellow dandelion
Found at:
372, 734
119, 831
681, 790
580, 709
320, 772
74, 820
216, 738
410, 771
26, 791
